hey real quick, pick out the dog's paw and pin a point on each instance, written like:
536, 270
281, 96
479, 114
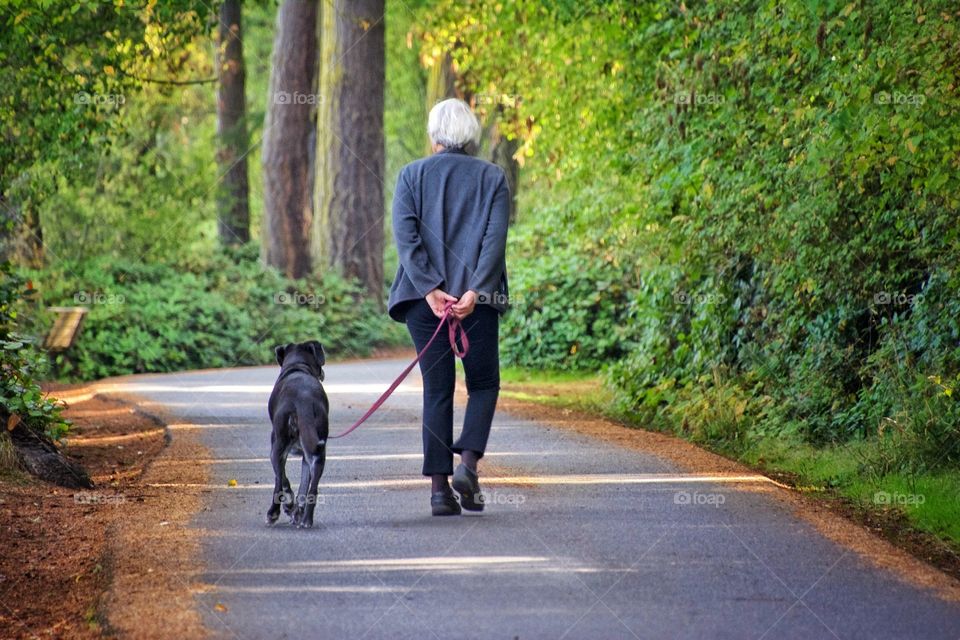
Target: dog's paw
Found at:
272, 515
305, 524
289, 506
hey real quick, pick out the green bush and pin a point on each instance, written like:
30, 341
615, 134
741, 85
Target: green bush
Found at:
21, 365
221, 311
566, 320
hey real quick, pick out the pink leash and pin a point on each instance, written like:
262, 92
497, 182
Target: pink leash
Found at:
453, 326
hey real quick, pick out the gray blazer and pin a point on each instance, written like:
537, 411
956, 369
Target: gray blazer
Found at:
450, 218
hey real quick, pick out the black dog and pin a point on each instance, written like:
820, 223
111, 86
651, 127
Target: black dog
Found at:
299, 411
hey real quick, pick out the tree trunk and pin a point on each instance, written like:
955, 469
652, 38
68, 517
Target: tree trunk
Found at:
442, 84
502, 151
21, 235
348, 232
289, 140
233, 222
40, 456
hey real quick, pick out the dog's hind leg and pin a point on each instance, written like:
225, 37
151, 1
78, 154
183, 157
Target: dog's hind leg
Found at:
313, 468
282, 494
301, 491
289, 504
314, 458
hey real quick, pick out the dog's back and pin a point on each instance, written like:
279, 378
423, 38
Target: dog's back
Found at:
299, 410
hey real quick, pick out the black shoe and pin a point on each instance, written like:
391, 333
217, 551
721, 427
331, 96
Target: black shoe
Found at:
444, 503
467, 483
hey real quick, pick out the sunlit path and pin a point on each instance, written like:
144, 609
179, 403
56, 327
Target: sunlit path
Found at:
580, 539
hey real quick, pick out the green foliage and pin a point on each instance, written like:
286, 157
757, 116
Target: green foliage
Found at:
563, 315
222, 311
70, 66
405, 108
775, 190
21, 365
113, 156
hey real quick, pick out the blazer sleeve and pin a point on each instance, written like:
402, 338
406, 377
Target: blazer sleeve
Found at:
493, 245
406, 231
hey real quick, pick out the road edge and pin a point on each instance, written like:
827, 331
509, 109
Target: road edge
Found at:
153, 554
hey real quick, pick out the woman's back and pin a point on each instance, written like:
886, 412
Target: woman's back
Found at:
450, 217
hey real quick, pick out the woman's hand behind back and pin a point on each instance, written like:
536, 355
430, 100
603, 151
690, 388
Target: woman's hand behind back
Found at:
465, 305
438, 300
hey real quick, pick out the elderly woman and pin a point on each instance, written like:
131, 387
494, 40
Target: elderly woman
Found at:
450, 216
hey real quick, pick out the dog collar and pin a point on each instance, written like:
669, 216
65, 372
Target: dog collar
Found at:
298, 368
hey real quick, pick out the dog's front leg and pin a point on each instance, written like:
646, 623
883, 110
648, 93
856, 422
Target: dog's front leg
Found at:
316, 463
281, 488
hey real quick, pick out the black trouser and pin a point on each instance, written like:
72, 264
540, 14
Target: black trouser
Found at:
437, 366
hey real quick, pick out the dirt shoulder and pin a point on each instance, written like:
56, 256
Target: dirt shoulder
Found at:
883, 540
109, 561
56, 567
154, 554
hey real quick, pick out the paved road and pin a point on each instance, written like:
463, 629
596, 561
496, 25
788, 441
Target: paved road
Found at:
580, 539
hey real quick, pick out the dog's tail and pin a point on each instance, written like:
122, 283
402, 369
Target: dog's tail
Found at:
306, 425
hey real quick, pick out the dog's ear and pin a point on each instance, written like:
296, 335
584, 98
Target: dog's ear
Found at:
317, 350
281, 350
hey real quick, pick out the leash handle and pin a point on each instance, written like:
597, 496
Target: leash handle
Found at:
453, 327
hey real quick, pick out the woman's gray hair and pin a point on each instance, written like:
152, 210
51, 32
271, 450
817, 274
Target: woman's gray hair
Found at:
453, 125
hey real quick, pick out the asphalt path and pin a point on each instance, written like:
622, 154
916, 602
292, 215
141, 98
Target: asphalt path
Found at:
579, 539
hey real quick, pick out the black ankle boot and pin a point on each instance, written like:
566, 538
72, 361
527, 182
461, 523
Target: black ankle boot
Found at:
467, 483
444, 503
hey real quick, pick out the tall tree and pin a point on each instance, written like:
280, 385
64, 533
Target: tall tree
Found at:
443, 82
233, 210
289, 140
348, 232
502, 151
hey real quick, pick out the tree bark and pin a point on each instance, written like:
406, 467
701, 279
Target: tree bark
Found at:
348, 232
502, 151
289, 140
442, 84
233, 209
41, 457
21, 235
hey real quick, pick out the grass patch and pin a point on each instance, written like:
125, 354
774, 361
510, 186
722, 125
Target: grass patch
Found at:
930, 501
828, 467
546, 376
563, 389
